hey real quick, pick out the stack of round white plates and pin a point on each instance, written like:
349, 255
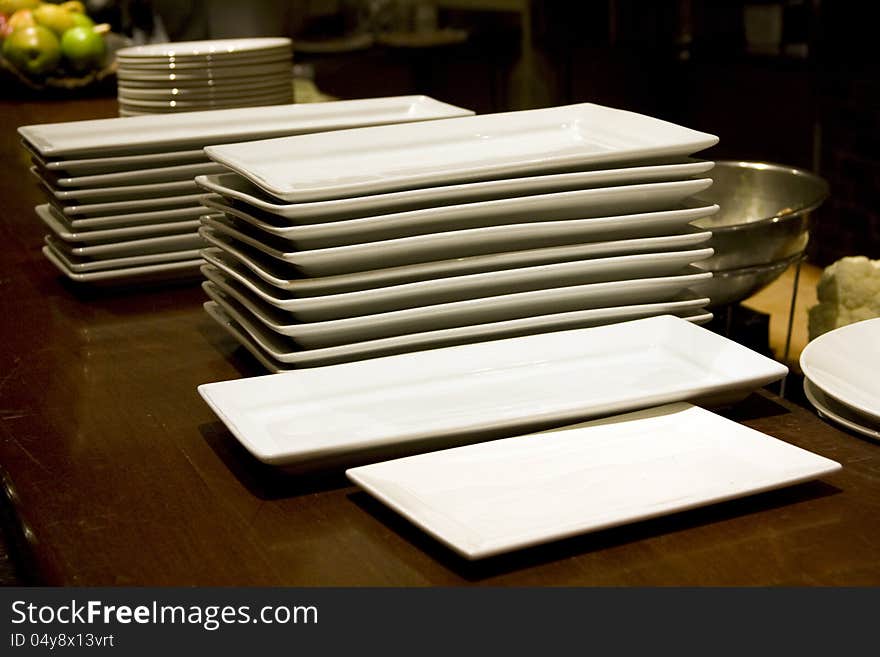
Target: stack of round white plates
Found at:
197, 75
840, 376
341, 246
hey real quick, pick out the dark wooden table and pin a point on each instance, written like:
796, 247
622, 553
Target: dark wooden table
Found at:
119, 474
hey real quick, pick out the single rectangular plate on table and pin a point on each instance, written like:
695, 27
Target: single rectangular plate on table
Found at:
472, 391
484, 500
233, 187
558, 206
280, 275
187, 130
388, 158
457, 243
278, 353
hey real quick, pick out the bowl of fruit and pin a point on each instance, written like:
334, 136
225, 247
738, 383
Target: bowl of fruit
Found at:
48, 45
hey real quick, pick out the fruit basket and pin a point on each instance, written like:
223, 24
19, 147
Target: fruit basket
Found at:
55, 49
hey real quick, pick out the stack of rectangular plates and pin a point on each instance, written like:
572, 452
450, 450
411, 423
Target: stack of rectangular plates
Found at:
375, 241
122, 204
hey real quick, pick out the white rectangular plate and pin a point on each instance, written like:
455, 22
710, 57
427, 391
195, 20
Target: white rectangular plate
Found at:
121, 193
64, 231
155, 133
99, 165
470, 390
234, 187
280, 275
387, 158
277, 353
80, 265
180, 269
127, 220
143, 246
435, 293
487, 499
459, 243
501, 307
557, 206
137, 177
95, 210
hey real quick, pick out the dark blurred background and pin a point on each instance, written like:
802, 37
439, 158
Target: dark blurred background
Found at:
787, 81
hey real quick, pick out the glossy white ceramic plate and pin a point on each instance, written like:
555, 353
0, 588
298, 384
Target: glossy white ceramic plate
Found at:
142, 246
203, 48
456, 244
283, 93
453, 288
386, 158
84, 265
205, 62
118, 193
63, 230
242, 84
75, 223
187, 130
828, 407
96, 165
281, 70
131, 206
845, 364
488, 388
134, 177
234, 187
278, 353
278, 275
487, 499
194, 94
498, 308
579, 204
182, 269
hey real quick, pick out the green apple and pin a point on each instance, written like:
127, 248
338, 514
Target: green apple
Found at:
81, 20
34, 50
83, 48
54, 17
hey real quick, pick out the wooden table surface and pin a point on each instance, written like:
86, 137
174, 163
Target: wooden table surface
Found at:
119, 474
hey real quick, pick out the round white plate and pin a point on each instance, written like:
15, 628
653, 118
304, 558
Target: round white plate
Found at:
251, 72
222, 84
152, 95
173, 64
216, 103
203, 48
829, 408
845, 363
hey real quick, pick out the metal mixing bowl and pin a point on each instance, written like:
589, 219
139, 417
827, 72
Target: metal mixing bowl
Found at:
763, 225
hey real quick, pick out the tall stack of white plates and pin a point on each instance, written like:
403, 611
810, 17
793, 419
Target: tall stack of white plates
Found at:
840, 376
196, 75
122, 204
373, 241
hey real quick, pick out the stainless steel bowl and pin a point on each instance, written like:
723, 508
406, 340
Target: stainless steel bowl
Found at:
763, 224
